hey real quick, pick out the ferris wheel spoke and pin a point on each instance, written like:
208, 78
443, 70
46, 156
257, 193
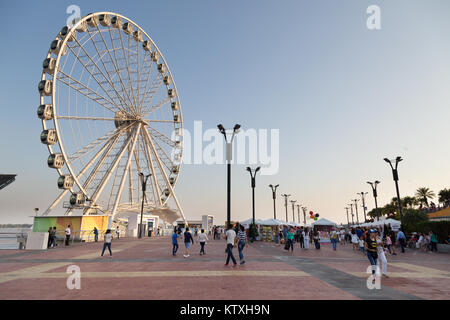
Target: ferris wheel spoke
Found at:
149, 94
149, 157
122, 181
169, 186
110, 145
91, 118
157, 106
119, 97
168, 162
160, 121
149, 165
79, 153
86, 91
106, 80
148, 73
126, 57
115, 63
162, 137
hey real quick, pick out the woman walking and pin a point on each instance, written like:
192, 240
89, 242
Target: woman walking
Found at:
381, 256
242, 242
202, 238
107, 243
306, 239
372, 251
355, 240
290, 240
187, 241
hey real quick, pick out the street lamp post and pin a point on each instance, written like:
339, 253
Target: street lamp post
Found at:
286, 196
253, 176
362, 194
144, 186
374, 192
356, 210
229, 156
304, 215
36, 211
395, 176
351, 212
293, 210
298, 212
274, 196
348, 222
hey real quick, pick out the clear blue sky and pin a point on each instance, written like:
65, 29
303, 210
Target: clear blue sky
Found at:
342, 96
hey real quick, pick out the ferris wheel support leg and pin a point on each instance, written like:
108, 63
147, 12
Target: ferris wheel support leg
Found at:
149, 154
100, 188
158, 160
122, 181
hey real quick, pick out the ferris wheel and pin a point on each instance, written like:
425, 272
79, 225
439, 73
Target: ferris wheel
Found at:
111, 115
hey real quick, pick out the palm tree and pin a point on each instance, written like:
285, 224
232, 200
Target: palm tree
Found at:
423, 194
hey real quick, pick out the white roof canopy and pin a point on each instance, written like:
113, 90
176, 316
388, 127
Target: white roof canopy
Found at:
323, 222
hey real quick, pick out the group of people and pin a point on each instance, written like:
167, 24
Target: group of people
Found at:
304, 236
234, 239
52, 236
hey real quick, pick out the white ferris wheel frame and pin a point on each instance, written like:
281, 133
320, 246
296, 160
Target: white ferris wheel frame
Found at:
133, 138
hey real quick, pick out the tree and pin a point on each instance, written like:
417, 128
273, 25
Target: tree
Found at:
412, 218
423, 194
444, 197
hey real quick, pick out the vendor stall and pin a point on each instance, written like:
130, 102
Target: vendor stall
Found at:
324, 227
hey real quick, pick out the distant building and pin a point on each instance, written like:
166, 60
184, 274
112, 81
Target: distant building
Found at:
441, 215
207, 223
6, 179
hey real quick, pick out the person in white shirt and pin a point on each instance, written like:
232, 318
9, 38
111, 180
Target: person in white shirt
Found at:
306, 238
202, 238
107, 243
117, 232
231, 237
68, 234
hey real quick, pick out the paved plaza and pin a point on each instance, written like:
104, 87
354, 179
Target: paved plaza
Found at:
145, 269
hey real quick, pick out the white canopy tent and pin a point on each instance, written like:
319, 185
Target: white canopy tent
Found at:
272, 222
323, 222
248, 222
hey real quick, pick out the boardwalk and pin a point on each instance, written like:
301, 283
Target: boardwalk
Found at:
145, 269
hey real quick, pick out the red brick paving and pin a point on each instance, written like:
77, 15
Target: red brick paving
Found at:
259, 257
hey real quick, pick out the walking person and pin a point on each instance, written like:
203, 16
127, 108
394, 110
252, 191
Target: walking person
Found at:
202, 238
301, 238
306, 239
401, 238
372, 251
434, 241
54, 244
389, 243
95, 234
175, 241
231, 237
117, 232
290, 240
316, 239
68, 231
334, 238
107, 243
50, 236
187, 241
355, 240
242, 242
381, 256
